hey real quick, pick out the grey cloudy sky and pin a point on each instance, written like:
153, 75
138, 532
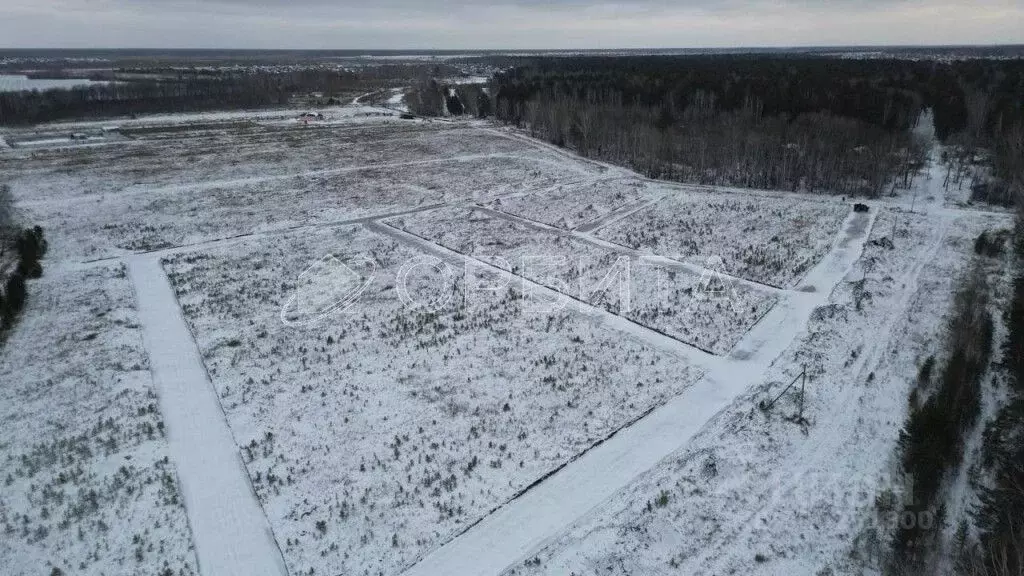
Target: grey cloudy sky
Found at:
513, 24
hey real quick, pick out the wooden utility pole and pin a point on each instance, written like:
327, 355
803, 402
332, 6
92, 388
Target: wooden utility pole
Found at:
803, 386
802, 377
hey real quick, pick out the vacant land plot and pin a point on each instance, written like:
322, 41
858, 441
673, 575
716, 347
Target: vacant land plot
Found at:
573, 205
196, 158
704, 311
111, 225
87, 484
208, 182
772, 240
187, 155
373, 437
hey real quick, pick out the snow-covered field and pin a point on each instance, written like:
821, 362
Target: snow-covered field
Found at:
573, 205
114, 224
87, 484
771, 240
706, 312
396, 100
531, 356
756, 492
378, 434
182, 156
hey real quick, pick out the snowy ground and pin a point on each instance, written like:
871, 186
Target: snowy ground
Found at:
574, 205
87, 484
379, 434
774, 241
756, 493
151, 219
187, 156
351, 426
690, 307
230, 530
396, 100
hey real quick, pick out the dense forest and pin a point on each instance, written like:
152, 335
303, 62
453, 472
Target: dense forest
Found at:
791, 122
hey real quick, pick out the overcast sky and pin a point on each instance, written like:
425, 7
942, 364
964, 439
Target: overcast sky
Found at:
458, 24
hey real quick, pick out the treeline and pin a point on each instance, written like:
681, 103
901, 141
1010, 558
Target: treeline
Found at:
321, 77
866, 90
992, 125
795, 122
29, 246
1000, 518
813, 152
944, 408
241, 91
183, 91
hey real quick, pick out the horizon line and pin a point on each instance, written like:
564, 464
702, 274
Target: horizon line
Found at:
410, 49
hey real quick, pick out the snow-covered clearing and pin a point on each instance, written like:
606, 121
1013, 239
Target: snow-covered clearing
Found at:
396, 101
187, 184
755, 493
513, 532
113, 225
381, 433
574, 205
775, 241
337, 421
711, 315
351, 115
189, 156
87, 484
